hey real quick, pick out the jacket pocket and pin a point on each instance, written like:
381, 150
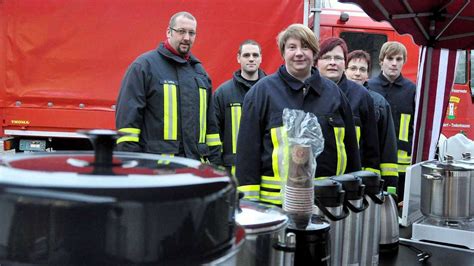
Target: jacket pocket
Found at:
163, 146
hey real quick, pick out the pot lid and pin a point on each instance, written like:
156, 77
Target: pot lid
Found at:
114, 174
447, 166
259, 218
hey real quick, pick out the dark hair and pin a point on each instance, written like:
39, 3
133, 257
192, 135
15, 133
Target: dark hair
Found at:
252, 42
330, 43
180, 14
360, 54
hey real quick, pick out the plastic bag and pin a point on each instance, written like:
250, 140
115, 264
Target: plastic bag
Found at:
304, 142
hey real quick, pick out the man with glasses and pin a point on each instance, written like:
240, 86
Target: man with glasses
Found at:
358, 70
331, 64
229, 97
165, 102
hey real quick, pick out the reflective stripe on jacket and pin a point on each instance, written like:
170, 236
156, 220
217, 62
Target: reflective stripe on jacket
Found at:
401, 96
228, 99
262, 114
363, 110
167, 100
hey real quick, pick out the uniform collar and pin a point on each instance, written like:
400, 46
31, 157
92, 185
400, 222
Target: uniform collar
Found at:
172, 56
238, 77
385, 82
314, 81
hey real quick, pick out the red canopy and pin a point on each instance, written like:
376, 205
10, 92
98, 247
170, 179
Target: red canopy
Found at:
433, 23
440, 27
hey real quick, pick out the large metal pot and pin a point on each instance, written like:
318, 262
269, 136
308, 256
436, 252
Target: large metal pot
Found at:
81, 208
265, 241
447, 190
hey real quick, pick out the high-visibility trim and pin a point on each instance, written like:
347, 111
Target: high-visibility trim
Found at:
130, 130
202, 114
271, 182
213, 140
389, 169
270, 197
279, 141
134, 135
320, 178
170, 112
404, 127
250, 191
127, 138
402, 168
377, 171
235, 113
339, 133
358, 135
403, 157
232, 170
164, 161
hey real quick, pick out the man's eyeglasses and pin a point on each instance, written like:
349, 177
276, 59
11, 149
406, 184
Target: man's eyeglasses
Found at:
335, 58
183, 32
355, 68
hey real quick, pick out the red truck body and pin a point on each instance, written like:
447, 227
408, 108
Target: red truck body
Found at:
61, 62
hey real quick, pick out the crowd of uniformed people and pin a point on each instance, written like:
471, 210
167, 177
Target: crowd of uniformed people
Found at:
166, 106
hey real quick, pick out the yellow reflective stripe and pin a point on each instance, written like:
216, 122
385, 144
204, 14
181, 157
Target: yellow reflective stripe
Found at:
235, 113
170, 112
402, 168
250, 191
389, 169
232, 170
133, 137
127, 138
358, 135
403, 157
377, 171
213, 140
164, 161
339, 133
202, 114
271, 201
130, 130
270, 197
271, 182
321, 177
404, 127
279, 141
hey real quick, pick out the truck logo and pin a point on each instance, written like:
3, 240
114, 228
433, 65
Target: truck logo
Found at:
20, 122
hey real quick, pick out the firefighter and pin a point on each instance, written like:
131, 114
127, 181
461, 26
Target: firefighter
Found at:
400, 94
229, 97
358, 70
165, 102
331, 64
295, 85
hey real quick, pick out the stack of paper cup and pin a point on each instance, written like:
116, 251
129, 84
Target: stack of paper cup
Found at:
299, 192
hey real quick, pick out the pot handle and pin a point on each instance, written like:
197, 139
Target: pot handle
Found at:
365, 205
433, 176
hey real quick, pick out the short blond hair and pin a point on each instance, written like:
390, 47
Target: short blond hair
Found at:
391, 49
300, 32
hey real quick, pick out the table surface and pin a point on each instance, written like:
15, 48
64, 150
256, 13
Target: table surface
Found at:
441, 255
